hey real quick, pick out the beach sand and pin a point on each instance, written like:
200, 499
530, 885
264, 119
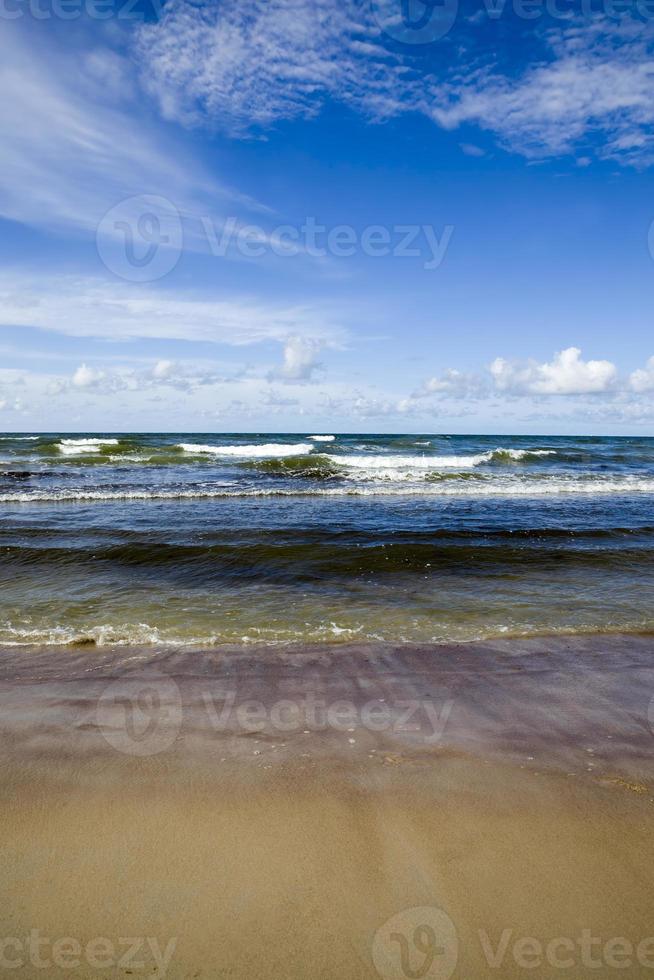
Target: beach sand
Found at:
252, 813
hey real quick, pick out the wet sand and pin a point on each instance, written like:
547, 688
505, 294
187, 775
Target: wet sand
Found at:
480, 810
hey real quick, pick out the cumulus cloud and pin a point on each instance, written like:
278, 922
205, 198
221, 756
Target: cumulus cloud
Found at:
300, 358
163, 370
565, 374
86, 377
186, 376
642, 379
458, 384
187, 390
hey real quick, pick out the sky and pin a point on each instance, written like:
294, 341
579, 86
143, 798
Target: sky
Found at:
327, 215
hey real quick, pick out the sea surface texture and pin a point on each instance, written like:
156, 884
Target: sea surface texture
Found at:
291, 538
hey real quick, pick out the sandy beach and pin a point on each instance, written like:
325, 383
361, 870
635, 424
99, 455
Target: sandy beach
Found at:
326, 490
469, 810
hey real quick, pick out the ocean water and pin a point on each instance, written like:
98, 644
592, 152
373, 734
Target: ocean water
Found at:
290, 538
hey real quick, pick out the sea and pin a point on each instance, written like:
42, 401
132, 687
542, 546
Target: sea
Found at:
209, 539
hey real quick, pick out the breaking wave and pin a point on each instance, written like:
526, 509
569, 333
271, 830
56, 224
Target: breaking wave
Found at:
268, 449
391, 467
76, 447
317, 467
448, 488
156, 538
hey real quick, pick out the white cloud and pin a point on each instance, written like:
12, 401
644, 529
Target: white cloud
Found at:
455, 383
87, 307
86, 377
76, 143
185, 377
595, 84
471, 150
185, 394
76, 140
249, 66
643, 379
300, 358
163, 370
566, 374
191, 395
342, 404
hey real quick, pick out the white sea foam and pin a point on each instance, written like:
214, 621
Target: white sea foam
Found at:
128, 634
143, 634
270, 449
322, 438
95, 441
399, 463
499, 488
521, 453
129, 459
391, 467
75, 447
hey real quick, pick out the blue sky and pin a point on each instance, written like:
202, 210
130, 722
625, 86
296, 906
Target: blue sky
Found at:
296, 215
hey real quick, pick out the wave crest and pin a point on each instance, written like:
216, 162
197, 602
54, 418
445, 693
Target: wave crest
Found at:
390, 467
447, 488
515, 455
268, 449
76, 447
316, 467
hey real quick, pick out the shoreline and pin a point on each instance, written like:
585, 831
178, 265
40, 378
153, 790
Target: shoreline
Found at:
259, 843
558, 698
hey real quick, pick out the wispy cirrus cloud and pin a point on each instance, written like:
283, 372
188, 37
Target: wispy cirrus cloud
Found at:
247, 67
74, 142
76, 139
115, 310
594, 88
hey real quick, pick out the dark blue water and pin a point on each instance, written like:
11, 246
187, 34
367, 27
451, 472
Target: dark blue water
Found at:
286, 538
